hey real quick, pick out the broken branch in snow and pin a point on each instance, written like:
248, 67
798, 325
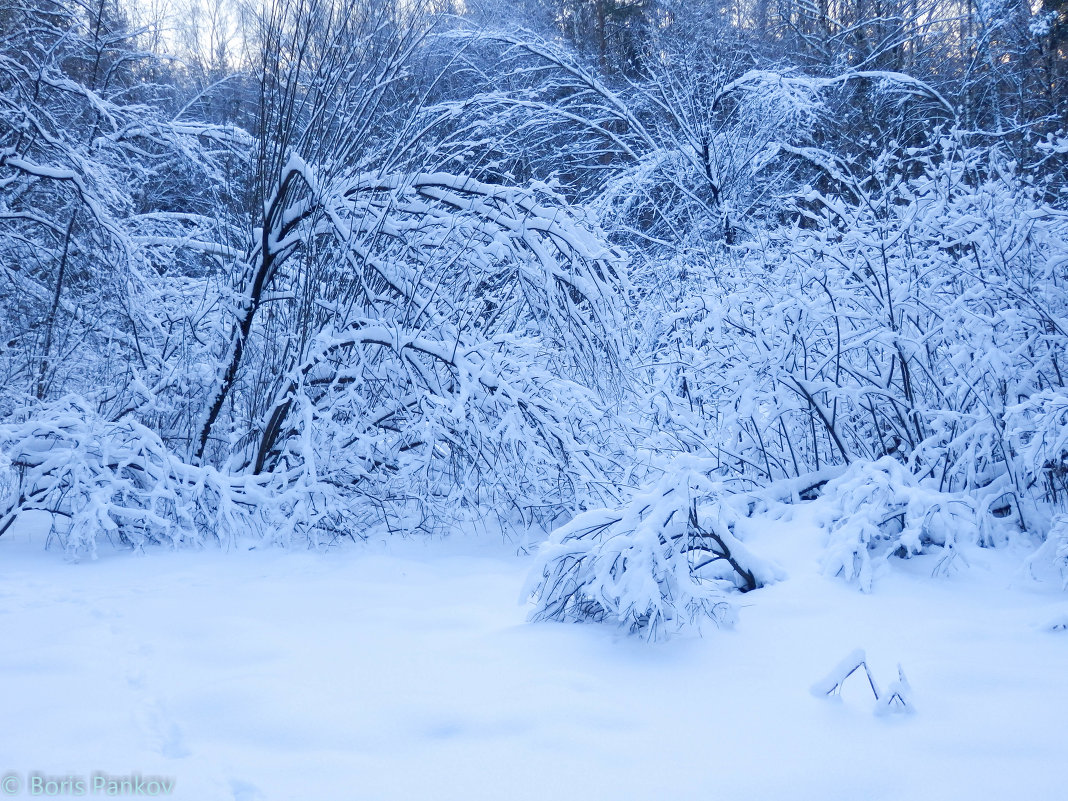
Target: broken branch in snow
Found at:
896, 699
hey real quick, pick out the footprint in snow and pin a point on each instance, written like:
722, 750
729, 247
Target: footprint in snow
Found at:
244, 791
163, 734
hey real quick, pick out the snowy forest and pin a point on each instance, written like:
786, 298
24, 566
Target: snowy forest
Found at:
623, 275
354, 351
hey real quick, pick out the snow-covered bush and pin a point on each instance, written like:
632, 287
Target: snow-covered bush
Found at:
103, 479
106, 480
355, 325
917, 314
667, 557
876, 510
1038, 432
451, 355
92, 162
1051, 558
8, 481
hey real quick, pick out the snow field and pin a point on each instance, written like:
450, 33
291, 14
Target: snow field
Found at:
405, 670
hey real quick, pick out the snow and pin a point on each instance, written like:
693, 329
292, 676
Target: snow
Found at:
404, 669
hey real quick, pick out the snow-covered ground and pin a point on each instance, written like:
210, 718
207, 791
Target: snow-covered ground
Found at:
405, 670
